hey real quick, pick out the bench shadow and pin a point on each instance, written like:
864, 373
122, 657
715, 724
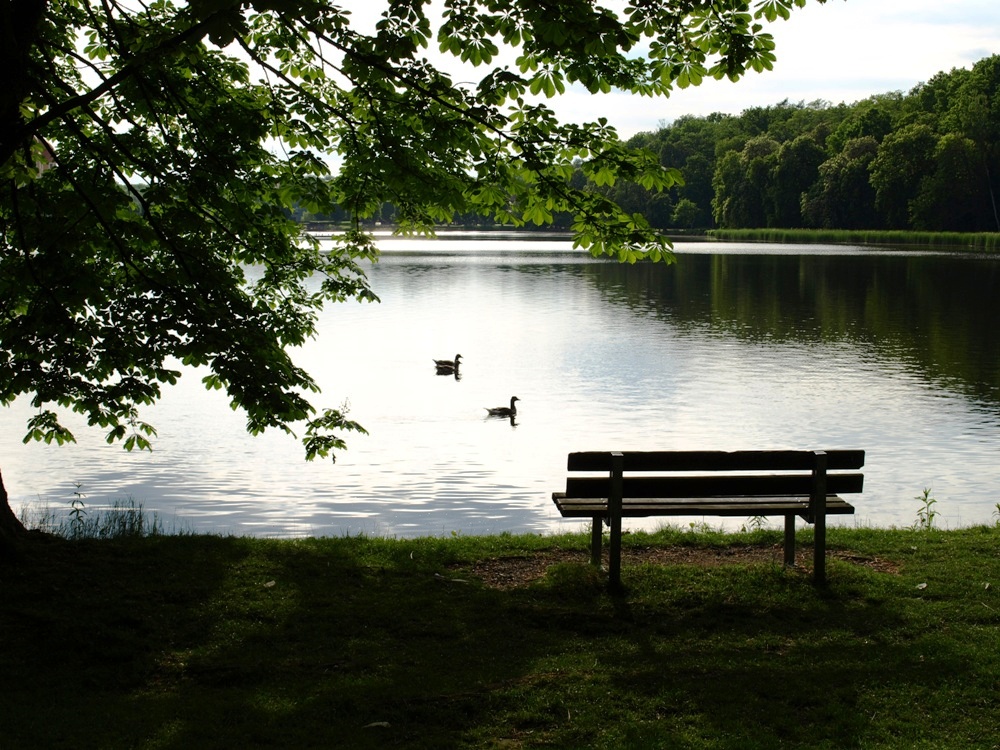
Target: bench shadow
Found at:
742, 671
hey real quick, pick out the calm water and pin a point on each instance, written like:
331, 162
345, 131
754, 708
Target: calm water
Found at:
734, 347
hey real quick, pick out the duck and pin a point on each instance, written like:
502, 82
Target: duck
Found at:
504, 411
448, 364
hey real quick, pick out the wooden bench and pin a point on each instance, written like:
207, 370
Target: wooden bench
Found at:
607, 486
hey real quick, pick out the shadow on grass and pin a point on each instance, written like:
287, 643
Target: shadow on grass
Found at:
193, 642
808, 669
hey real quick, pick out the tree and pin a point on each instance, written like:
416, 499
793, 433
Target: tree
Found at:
842, 197
796, 168
150, 154
687, 215
698, 170
742, 184
690, 143
936, 95
952, 197
904, 158
728, 210
868, 119
975, 113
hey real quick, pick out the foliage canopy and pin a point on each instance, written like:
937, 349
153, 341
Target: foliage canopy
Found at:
151, 154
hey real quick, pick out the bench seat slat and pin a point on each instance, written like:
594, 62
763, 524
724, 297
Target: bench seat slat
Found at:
713, 486
837, 460
740, 505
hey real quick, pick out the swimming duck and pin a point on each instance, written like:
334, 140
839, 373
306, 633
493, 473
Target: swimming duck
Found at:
504, 411
448, 364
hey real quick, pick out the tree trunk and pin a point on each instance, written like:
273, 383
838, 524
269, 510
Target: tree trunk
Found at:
11, 527
19, 21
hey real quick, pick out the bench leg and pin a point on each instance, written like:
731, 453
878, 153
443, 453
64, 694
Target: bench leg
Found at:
817, 509
596, 536
615, 521
790, 541
819, 561
615, 554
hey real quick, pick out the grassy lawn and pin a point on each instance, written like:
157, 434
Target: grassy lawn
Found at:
211, 642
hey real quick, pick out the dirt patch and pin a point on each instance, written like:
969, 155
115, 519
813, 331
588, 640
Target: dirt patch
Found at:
513, 572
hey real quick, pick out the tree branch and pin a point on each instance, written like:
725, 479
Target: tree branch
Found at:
13, 136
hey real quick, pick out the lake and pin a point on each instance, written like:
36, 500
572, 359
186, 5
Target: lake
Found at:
735, 346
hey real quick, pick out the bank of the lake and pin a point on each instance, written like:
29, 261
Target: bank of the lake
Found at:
956, 241
507, 641
987, 242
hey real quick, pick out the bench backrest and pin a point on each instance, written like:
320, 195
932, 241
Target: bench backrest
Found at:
711, 473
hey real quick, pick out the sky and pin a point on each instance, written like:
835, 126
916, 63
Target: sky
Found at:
841, 51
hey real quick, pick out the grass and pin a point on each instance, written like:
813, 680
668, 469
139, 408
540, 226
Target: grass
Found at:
185, 641
975, 241
120, 518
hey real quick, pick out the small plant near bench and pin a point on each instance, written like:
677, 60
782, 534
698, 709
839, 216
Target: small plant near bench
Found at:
77, 513
926, 513
754, 523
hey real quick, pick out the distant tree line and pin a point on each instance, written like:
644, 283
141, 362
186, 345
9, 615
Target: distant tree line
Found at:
927, 160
